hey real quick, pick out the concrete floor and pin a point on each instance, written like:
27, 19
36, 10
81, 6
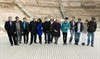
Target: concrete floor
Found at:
37, 51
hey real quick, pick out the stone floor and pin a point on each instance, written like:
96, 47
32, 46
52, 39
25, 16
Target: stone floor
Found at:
37, 51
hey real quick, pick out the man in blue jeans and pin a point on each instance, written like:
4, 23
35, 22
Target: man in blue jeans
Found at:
92, 25
72, 29
78, 30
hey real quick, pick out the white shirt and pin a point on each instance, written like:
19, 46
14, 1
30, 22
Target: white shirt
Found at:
79, 27
52, 22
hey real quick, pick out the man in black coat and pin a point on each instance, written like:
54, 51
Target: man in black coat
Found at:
46, 27
92, 26
18, 29
25, 30
10, 30
33, 30
51, 22
78, 30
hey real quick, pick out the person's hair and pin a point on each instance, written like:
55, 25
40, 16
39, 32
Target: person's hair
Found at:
45, 18
93, 18
9, 17
16, 17
86, 20
66, 18
24, 18
39, 20
73, 16
79, 19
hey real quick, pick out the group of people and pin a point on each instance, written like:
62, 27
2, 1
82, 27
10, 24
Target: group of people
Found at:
51, 29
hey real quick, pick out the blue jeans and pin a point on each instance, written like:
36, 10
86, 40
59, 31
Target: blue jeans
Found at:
72, 32
77, 37
91, 34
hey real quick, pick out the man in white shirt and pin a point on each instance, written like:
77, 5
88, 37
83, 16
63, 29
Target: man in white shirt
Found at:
78, 30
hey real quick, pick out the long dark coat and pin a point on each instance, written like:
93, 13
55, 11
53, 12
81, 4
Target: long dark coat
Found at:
56, 27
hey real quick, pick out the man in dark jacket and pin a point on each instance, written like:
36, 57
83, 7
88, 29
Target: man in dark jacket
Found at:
72, 29
92, 25
10, 30
25, 30
33, 30
51, 30
18, 29
78, 30
46, 27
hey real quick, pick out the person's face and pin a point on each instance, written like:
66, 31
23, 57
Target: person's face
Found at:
58, 21
10, 18
73, 19
79, 20
45, 19
51, 19
24, 19
17, 18
33, 19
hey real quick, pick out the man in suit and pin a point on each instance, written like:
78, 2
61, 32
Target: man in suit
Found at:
25, 30
10, 31
46, 27
33, 30
18, 29
51, 30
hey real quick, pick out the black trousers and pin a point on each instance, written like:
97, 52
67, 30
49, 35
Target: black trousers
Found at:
40, 39
46, 36
33, 36
25, 35
11, 38
64, 38
50, 37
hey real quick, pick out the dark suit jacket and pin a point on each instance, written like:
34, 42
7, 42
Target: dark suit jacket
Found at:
33, 27
46, 26
9, 28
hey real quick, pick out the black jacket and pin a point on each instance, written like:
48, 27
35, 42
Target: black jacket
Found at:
46, 26
92, 25
76, 27
56, 27
33, 27
71, 25
51, 27
9, 28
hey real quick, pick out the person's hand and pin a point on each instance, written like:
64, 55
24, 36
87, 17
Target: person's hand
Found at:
55, 30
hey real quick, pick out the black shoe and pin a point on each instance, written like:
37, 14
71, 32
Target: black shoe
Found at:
11, 44
17, 44
92, 45
48, 42
87, 44
35, 42
20, 42
83, 44
64, 43
40, 42
30, 43
76, 43
55, 43
45, 42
